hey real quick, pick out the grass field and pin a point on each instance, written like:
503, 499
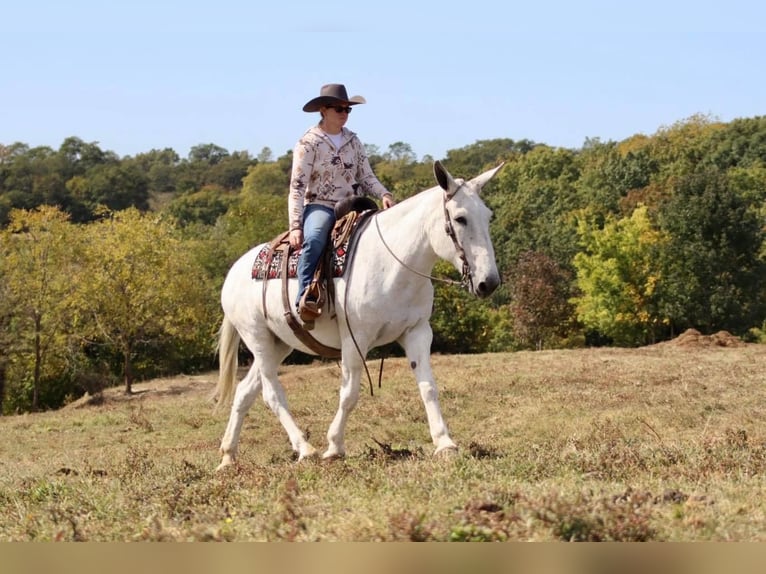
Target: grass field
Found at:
660, 443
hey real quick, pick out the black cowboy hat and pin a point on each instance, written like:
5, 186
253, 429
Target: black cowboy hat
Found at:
330, 95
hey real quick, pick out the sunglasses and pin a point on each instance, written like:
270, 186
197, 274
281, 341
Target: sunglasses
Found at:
341, 109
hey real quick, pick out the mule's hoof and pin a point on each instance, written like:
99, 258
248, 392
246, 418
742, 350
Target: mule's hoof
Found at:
446, 451
226, 461
333, 456
309, 453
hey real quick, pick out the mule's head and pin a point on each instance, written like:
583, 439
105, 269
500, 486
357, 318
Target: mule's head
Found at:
466, 221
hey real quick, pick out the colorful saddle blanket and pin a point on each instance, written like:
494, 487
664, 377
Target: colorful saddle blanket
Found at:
268, 265
268, 261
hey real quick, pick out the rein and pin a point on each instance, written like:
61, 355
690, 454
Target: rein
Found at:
350, 271
466, 279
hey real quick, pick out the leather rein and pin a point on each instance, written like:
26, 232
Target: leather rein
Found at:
466, 279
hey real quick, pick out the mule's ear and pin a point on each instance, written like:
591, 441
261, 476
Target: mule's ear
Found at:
445, 179
442, 175
481, 180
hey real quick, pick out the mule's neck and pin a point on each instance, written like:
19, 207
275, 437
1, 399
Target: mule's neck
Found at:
414, 230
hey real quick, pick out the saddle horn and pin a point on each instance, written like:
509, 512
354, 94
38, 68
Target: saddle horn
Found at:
357, 203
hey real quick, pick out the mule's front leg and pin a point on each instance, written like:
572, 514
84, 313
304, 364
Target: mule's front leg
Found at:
417, 346
349, 396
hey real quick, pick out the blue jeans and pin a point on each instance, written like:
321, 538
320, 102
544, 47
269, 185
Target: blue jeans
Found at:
318, 221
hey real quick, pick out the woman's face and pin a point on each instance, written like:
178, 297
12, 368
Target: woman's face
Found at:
336, 116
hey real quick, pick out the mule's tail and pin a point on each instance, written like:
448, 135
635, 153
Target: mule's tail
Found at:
228, 347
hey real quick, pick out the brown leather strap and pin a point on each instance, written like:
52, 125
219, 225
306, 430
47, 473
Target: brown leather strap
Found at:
281, 241
302, 334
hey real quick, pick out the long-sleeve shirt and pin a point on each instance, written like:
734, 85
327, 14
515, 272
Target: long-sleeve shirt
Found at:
325, 174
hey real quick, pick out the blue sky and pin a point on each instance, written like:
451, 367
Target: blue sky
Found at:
140, 75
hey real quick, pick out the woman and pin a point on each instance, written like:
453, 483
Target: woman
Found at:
329, 165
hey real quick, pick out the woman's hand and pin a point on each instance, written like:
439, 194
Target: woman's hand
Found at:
296, 238
388, 201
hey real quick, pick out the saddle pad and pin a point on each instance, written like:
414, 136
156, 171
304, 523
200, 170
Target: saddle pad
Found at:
268, 263
265, 269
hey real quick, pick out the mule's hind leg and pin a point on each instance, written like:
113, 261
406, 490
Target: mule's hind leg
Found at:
275, 398
257, 378
417, 345
246, 392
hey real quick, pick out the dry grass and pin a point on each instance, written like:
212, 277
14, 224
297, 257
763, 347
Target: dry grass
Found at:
660, 443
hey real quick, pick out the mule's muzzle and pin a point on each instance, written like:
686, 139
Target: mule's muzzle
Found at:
487, 287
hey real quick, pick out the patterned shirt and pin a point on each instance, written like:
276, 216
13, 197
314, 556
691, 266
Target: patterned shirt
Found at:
325, 174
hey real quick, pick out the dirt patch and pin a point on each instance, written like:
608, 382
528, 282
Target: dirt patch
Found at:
693, 339
155, 388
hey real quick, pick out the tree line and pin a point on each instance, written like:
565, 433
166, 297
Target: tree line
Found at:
110, 266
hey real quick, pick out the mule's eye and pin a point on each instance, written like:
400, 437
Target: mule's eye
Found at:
461, 220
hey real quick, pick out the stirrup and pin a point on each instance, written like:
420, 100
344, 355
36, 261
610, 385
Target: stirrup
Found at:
308, 311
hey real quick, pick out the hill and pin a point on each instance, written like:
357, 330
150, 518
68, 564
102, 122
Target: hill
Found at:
658, 443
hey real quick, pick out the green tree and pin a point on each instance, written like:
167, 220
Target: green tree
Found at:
114, 186
160, 168
467, 161
252, 218
617, 276
30, 177
209, 164
145, 288
256, 215
680, 148
713, 275
460, 321
740, 143
204, 206
374, 154
405, 179
265, 155
396, 167
210, 154
610, 172
533, 199
273, 178
78, 156
39, 271
230, 171
400, 152
7, 338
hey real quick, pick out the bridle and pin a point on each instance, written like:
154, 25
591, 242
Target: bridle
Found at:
466, 279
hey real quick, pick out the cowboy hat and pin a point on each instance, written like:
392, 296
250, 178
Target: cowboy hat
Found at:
330, 95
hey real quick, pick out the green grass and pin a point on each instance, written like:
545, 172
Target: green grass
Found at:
660, 443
